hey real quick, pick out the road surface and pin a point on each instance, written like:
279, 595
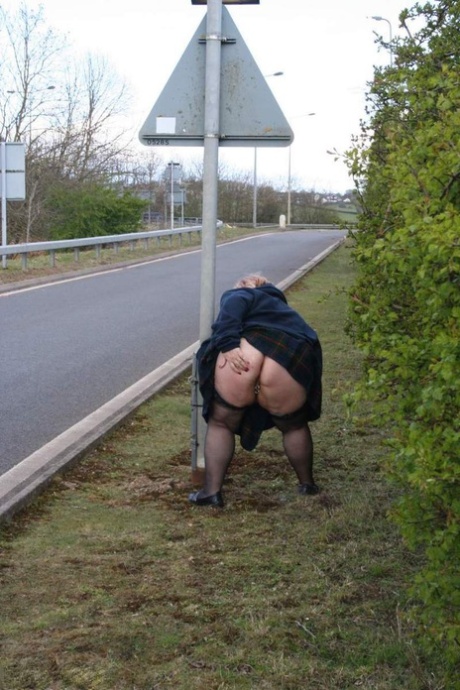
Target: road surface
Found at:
68, 347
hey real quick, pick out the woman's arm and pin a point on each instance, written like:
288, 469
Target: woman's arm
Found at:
228, 326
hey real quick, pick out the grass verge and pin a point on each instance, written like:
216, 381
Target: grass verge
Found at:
113, 581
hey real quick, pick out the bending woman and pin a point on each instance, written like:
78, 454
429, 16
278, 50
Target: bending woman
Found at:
260, 368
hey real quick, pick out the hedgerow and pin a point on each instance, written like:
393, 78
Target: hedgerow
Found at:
405, 304
91, 210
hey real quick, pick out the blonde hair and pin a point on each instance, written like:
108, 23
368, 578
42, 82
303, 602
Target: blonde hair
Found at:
252, 281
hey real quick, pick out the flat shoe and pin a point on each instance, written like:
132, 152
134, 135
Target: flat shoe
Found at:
308, 489
214, 500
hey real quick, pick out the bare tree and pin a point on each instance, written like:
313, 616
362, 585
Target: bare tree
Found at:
235, 195
68, 114
29, 53
90, 134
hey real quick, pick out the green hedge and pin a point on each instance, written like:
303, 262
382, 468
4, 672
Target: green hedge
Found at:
405, 305
92, 210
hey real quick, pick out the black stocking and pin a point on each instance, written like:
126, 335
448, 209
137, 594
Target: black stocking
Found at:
219, 446
298, 446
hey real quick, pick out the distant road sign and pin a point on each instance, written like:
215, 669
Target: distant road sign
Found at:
13, 167
250, 115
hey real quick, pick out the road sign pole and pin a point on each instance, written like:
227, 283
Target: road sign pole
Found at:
182, 117
210, 190
210, 164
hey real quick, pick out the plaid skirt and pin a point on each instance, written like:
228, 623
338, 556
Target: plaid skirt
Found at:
300, 357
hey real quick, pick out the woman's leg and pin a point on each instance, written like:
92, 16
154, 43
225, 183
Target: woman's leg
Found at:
298, 446
285, 398
237, 392
219, 446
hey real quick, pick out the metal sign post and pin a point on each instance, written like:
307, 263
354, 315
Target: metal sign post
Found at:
210, 165
174, 180
13, 181
214, 97
210, 181
4, 237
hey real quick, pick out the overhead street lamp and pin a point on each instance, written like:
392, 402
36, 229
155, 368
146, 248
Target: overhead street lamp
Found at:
288, 218
51, 87
383, 19
254, 199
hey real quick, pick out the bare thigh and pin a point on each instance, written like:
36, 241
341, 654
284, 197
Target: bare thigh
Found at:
266, 381
239, 389
279, 393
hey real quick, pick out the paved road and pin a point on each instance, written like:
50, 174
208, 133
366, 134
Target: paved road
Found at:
70, 346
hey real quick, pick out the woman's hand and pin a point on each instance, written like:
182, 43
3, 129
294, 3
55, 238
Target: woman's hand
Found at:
236, 360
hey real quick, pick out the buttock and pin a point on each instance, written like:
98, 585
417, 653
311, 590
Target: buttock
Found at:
278, 392
266, 382
239, 389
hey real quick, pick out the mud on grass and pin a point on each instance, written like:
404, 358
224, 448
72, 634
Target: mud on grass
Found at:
113, 581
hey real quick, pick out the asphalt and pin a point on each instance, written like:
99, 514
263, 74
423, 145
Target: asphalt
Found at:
20, 484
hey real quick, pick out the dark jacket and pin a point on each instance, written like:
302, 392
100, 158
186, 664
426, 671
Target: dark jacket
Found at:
261, 307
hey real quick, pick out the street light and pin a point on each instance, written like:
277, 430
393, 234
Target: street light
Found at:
288, 220
174, 171
383, 19
254, 199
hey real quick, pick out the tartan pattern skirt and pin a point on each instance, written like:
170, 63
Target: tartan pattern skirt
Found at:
301, 358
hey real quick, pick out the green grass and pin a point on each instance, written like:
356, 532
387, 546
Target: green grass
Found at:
113, 581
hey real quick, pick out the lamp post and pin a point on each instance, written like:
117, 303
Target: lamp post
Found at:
173, 167
254, 199
288, 215
383, 19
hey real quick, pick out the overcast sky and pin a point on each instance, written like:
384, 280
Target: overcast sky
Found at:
325, 48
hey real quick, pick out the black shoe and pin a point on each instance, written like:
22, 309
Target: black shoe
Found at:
214, 500
308, 489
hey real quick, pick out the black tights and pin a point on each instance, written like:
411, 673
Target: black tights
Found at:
219, 445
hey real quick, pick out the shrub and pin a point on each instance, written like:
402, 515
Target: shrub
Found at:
92, 210
405, 305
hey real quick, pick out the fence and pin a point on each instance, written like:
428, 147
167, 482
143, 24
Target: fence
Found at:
116, 240
97, 242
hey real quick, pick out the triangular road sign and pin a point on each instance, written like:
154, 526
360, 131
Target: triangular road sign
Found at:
249, 113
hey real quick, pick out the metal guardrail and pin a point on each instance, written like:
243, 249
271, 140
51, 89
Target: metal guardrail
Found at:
98, 242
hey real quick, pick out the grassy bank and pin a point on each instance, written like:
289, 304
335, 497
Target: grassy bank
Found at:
113, 581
